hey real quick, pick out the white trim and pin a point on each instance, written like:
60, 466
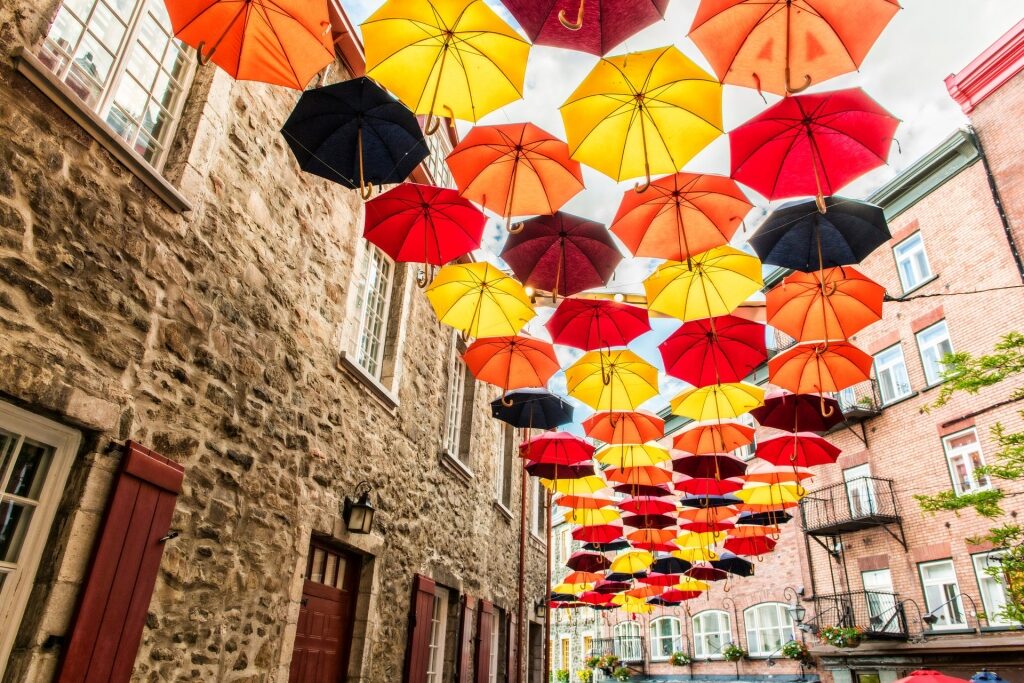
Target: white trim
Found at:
438, 634
907, 255
656, 638
753, 617
963, 453
945, 610
702, 648
930, 348
901, 387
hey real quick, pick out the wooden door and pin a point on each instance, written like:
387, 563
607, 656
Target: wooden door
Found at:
323, 639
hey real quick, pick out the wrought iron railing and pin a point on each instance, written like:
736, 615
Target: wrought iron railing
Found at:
626, 648
878, 614
860, 401
849, 506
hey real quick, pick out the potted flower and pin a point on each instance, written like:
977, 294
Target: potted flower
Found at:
607, 663
585, 675
562, 676
621, 674
797, 651
679, 659
592, 662
841, 636
733, 652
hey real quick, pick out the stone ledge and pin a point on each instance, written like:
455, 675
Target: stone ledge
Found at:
457, 467
504, 511
377, 390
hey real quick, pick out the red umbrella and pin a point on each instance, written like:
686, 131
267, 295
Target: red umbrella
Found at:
591, 324
812, 144
556, 448
705, 572
708, 486
598, 533
416, 223
574, 25
656, 579
645, 505
511, 362
612, 587
803, 449
595, 598
754, 545
654, 547
718, 466
679, 596
708, 526
929, 676
562, 254
714, 350
585, 561
798, 412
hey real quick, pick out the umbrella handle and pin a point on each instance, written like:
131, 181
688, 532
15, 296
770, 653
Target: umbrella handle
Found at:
365, 189
202, 59
819, 200
507, 402
826, 410
513, 229
640, 188
564, 21
790, 90
423, 278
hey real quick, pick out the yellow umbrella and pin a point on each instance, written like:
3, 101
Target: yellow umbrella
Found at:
712, 283
632, 562
695, 539
689, 584
445, 57
583, 486
480, 300
612, 380
640, 607
632, 455
587, 517
695, 554
643, 113
718, 401
772, 494
622, 599
571, 588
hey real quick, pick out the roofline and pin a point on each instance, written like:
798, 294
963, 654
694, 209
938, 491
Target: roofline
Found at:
989, 71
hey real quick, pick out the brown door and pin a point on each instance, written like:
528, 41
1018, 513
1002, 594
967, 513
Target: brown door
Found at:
324, 636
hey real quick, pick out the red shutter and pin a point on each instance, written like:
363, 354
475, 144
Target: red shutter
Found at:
420, 613
513, 642
112, 612
483, 641
465, 639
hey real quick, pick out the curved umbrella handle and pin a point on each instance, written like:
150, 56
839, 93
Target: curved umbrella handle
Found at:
790, 90
513, 229
365, 188
572, 26
423, 278
431, 125
366, 191
640, 188
819, 200
826, 410
202, 59
507, 402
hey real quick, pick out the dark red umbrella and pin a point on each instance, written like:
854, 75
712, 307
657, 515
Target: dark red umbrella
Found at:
584, 561
705, 572
654, 547
753, 545
547, 470
646, 505
679, 596
590, 324
929, 676
714, 350
708, 526
708, 486
556, 448
798, 412
595, 27
803, 449
649, 521
598, 533
718, 466
611, 587
643, 490
812, 144
562, 254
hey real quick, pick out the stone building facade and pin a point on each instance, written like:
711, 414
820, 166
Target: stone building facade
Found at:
169, 277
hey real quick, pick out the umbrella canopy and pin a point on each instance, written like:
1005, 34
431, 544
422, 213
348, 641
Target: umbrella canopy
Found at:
803, 449
799, 235
591, 324
633, 562
585, 561
667, 566
733, 564
557, 448
609, 547
532, 409
766, 518
515, 169
479, 300
833, 304
710, 284
562, 253
820, 367
928, 676
595, 27
651, 539
693, 555
281, 42
595, 598
612, 380
691, 585
771, 494
646, 505
649, 521
659, 601
798, 412
592, 517
632, 455
624, 427
811, 144
718, 401
601, 533
708, 502
709, 486
655, 491
780, 475
356, 134
680, 216
755, 545
512, 362
576, 487
714, 350
714, 437
580, 576
709, 516
547, 470
589, 502
719, 466
706, 572
453, 58
641, 475
709, 526
643, 113
676, 596
783, 46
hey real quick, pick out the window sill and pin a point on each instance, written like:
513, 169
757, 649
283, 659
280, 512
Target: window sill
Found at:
1002, 628
899, 400
29, 66
377, 390
950, 631
457, 467
505, 512
923, 283
537, 540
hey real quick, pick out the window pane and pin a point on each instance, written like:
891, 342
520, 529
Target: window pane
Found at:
316, 571
14, 523
891, 372
331, 571
912, 262
29, 471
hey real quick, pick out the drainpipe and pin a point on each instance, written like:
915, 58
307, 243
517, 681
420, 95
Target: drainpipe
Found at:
521, 607
998, 201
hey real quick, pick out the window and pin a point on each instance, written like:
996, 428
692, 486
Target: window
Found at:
891, 372
747, 452
942, 594
588, 646
769, 627
540, 510
35, 457
912, 262
566, 664
438, 631
503, 478
627, 641
666, 638
121, 58
712, 630
934, 345
373, 301
860, 491
499, 634
883, 615
963, 453
992, 586
461, 394
564, 545
439, 147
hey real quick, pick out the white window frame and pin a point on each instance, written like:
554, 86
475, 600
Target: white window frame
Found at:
538, 520
931, 359
372, 256
889, 366
702, 635
628, 650
675, 638
946, 612
881, 599
503, 471
750, 450
456, 400
119, 72
438, 635
860, 490
904, 253
20, 580
496, 620
439, 146
988, 585
957, 453
758, 631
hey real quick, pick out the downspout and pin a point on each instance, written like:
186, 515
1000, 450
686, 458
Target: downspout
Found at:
998, 201
521, 606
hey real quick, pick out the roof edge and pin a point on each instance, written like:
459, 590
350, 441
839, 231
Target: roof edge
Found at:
989, 71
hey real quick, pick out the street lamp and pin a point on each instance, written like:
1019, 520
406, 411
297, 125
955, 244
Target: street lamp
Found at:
797, 611
358, 514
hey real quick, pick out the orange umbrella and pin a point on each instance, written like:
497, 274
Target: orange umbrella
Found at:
646, 475
710, 515
781, 475
716, 437
515, 169
753, 531
834, 303
645, 591
281, 42
582, 577
624, 427
817, 368
680, 215
511, 362
583, 502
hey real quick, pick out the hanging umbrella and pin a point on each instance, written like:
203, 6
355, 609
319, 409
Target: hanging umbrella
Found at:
594, 598
357, 135
658, 491
591, 324
580, 576
714, 437
612, 380
708, 527
624, 427
595, 28
693, 555
781, 475
609, 547
632, 455
803, 449
649, 521
445, 57
710, 284
833, 304
676, 596
511, 362
562, 254
557, 448
928, 676
709, 501
819, 367
588, 502
592, 517
651, 539
532, 409
515, 169
575, 487
600, 533
680, 216
659, 601
650, 475
479, 300
771, 494
812, 144
766, 44
756, 545
633, 562
584, 561
719, 466
714, 350
281, 42
708, 486
707, 572
547, 470
694, 539
733, 564
644, 591
691, 585
646, 505
767, 518
667, 566
710, 516
718, 401
643, 113
798, 412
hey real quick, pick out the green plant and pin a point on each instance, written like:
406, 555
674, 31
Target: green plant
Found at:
733, 652
679, 658
621, 674
841, 636
562, 676
608, 661
796, 650
586, 675
592, 662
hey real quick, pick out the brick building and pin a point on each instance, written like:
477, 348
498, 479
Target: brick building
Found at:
200, 360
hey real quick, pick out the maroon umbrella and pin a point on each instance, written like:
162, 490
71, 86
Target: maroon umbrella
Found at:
583, 561
595, 26
798, 412
642, 490
649, 521
718, 466
562, 253
714, 350
706, 572
548, 470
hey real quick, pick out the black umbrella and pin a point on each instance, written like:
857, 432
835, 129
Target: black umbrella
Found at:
798, 236
562, 597
708, 501
670, 565
766, 518
355, 134
623, 576
734, 564
532, 408
662, 602
607, 547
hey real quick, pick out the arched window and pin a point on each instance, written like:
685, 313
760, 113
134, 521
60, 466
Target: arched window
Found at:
712, 631
769, 627
666, 638
627, 641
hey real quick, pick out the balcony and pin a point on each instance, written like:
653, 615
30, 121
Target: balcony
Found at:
880, 615
850, 506
860, 401
629, 649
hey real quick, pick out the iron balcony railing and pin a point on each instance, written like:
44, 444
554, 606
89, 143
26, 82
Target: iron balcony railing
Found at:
860, 401
629, 649
878, 614
849, 506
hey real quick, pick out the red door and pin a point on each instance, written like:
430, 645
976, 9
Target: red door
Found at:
324, 636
